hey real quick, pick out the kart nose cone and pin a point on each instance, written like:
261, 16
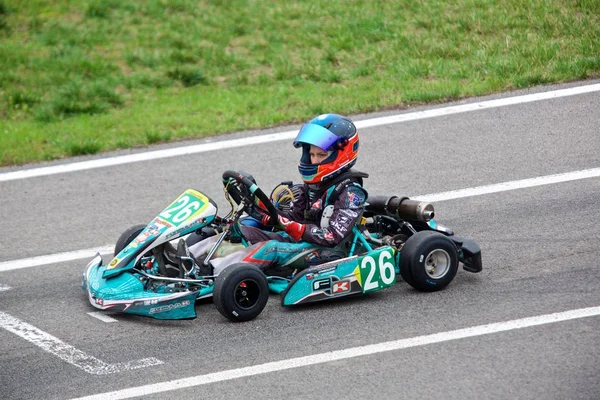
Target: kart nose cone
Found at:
95, 263
124, 286
126, 293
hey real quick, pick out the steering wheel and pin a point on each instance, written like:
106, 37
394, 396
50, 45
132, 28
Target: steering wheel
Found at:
245, 189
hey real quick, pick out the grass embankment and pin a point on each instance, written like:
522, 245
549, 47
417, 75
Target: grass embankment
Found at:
88, 76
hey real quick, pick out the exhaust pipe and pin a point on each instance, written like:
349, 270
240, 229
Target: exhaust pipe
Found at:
400, 207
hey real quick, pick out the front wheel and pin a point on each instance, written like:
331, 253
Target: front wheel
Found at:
428, 261
241, 292
127, 237
166, 269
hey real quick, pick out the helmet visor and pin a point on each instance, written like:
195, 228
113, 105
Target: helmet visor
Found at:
316, 135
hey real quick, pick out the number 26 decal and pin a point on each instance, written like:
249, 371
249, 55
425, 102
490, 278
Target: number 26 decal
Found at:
180, 210
380, 274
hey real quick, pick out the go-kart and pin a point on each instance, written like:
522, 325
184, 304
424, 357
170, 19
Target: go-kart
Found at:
148, 277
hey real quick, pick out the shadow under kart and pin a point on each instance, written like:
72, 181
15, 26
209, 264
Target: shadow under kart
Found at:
395, 236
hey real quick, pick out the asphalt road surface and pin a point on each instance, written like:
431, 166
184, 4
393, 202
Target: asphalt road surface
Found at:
526, 327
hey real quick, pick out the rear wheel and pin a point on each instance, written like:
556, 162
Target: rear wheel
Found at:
241, 292
428, 261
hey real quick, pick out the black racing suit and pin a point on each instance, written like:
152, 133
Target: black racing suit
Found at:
329, 214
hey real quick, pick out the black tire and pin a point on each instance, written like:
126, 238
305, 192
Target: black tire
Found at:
428, 261
127, 236
165, 269
241, 292
405, 271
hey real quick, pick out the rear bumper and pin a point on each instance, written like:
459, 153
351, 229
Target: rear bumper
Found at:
470, 254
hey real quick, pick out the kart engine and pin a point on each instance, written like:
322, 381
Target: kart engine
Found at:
400, 207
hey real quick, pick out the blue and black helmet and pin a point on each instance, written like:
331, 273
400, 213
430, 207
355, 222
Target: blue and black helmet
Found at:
332, 133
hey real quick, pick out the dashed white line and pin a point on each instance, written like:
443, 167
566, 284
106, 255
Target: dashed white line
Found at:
512, 185
4, 288
54, 258
254, 140
67, 352
102, 316
344, 354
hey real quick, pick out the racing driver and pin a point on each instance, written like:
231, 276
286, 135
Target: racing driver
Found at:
316, 227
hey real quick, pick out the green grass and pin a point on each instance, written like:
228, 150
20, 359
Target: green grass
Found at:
95, 75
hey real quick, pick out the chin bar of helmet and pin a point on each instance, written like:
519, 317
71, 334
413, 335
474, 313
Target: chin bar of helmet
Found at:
400, 207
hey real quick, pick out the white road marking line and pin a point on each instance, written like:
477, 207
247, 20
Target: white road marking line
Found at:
512, 185
67, 352
54, 258
288, 135
482, 105
345, 354
102, 316
4, 287
435, 197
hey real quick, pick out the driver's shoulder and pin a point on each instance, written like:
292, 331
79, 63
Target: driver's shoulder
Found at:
347, 194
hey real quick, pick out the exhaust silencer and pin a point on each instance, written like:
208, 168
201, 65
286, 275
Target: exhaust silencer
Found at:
400, 207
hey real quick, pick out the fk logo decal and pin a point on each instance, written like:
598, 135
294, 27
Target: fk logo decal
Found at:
340, 287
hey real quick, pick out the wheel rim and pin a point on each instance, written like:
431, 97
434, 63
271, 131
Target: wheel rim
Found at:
437, 263
246, 294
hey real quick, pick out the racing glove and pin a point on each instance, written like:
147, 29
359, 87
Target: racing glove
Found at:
292, 228
257, 210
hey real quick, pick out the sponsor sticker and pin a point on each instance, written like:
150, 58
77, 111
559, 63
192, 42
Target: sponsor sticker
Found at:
160, 221
169, 307
321, 284
340, 287
328, 269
